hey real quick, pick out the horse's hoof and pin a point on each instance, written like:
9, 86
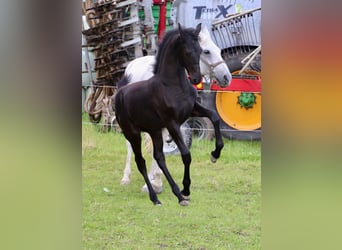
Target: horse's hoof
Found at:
144, 189
157, 186
213, 159
184, 203
186, 197
124, 182
157, 189
157, 203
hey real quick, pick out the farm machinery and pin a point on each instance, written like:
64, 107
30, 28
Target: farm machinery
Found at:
116, 32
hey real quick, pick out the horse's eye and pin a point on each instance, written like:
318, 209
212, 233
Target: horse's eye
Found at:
205, 51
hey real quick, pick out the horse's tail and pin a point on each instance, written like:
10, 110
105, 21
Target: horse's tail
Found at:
123, 81
117, 104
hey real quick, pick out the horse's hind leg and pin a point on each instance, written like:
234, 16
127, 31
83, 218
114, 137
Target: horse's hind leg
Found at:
127, 171
155, 173
200, 111
186, 158
135, 140
160, 158
155, 176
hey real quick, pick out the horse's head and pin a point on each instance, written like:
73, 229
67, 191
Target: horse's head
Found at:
191, 52
211, 62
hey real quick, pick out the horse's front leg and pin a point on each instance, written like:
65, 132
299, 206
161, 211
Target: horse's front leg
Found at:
201, 111
175, 132
135, 140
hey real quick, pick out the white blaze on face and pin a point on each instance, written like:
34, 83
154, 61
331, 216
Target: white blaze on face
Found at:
211, 62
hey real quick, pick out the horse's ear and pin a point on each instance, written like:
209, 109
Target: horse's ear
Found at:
180, 29
198, 29
182, 33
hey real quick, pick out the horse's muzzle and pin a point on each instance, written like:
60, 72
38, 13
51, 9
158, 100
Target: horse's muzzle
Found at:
195, 78
227, 80
195, 81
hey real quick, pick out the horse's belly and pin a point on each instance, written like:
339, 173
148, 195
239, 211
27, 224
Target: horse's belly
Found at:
142, 111
150, 107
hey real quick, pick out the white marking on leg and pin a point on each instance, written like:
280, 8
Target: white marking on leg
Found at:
127, 171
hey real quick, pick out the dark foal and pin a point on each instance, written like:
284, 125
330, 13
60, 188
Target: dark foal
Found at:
166, 100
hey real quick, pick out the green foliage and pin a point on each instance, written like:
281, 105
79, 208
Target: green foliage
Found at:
224, 212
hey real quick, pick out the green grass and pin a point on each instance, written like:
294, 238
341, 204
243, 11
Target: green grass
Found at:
224, 212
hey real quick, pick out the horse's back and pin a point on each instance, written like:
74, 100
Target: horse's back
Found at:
137, 102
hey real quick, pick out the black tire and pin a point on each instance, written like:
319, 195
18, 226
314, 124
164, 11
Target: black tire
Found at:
201, 127
170, 147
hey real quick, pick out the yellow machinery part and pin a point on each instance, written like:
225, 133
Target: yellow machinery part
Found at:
233, 114
236, 116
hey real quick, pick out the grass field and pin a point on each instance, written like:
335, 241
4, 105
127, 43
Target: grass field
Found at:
224, 212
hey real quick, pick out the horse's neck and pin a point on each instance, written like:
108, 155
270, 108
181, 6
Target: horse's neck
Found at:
171, 69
